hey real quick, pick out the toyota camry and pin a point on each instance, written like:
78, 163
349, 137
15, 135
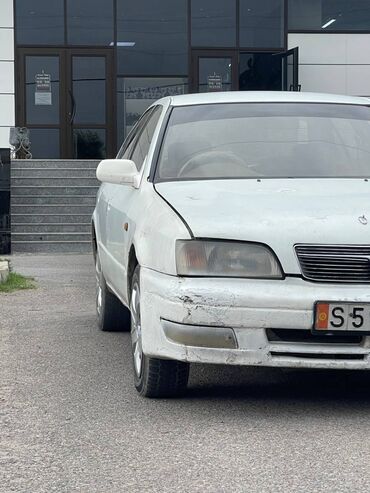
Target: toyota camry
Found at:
232, 228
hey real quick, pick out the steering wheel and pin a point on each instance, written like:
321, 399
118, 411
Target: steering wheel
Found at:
213, 160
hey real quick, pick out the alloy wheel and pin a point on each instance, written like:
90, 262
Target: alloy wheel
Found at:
99, 289
136, 339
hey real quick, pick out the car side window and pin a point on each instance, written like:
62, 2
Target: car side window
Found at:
142, 143
127, 152
128, 144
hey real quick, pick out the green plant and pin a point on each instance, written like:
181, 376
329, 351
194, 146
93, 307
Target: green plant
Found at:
16, 282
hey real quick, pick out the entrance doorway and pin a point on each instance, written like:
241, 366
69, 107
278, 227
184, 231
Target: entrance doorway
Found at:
215, 70
65, 99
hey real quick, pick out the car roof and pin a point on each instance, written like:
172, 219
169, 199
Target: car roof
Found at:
264, 97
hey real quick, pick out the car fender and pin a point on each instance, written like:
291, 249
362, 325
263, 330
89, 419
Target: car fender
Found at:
153, 231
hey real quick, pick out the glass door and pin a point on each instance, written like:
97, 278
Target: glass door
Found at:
40, 102
214, 71
290, 70
65, 100
90, 104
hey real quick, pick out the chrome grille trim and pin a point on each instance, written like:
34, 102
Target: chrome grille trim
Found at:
335, 263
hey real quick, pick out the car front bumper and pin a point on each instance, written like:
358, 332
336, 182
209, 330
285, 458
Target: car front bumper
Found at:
187, 319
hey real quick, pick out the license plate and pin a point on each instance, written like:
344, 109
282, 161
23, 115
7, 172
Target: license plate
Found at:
340, 316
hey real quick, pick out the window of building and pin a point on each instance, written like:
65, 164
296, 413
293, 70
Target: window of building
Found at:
41, 111
329, 15
39, 22
45, 143
152, 37
90, 22
213, 23
136, 94
218, 69
261, 23
89, 84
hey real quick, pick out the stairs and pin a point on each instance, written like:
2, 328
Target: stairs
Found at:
51, 205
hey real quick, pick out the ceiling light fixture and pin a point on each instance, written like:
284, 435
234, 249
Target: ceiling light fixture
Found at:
127, 44
329, 23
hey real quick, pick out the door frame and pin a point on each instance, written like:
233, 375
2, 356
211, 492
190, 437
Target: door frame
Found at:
65, 106
214, 53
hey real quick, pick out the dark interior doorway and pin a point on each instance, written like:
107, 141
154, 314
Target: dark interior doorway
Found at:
260, 72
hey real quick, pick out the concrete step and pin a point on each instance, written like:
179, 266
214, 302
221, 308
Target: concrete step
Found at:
51, 218
72, 181
52, 204
54, 190
62, 237
65, 228
41, 210
53, 172
51, 247
56, 164
53, 199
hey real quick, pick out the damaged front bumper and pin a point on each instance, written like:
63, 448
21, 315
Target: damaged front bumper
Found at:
245, 322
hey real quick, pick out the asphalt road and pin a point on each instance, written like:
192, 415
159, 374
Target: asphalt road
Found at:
71, 421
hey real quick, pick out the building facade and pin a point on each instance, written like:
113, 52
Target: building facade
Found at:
79, 73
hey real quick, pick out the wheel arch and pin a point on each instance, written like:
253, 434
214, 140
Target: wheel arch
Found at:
94, 240
131, 266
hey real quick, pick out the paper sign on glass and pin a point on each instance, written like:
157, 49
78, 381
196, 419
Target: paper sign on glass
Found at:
43, 89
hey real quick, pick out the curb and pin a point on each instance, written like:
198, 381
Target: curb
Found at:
4, 270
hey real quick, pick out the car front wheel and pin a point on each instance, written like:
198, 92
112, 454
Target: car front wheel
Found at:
153, 377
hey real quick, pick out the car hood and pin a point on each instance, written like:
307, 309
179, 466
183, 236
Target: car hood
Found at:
279, 213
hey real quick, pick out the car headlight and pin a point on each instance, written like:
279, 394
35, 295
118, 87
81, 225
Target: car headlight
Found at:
213, 258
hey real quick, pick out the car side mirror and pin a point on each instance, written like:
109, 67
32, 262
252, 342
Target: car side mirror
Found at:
118, 172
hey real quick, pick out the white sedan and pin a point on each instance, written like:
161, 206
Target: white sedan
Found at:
233, 228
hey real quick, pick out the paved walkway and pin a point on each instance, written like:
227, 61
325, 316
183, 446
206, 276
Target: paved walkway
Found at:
70, 420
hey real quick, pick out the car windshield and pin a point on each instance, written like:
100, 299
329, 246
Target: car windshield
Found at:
266, 140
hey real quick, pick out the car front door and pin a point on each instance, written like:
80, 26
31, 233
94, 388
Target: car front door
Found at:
124, 200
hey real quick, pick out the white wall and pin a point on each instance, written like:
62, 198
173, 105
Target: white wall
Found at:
7, 103
336, 63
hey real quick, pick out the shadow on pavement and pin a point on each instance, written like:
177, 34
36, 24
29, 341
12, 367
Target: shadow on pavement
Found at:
239, 383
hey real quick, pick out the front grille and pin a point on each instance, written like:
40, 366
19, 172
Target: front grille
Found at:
327, 356
330, 263
307, 337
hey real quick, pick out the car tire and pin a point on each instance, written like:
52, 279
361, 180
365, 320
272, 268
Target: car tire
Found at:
113, 316
153, 377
